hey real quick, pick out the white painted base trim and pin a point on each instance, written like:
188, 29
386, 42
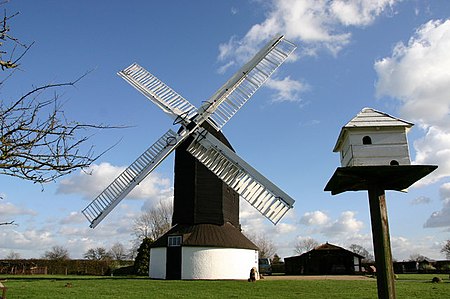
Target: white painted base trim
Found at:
158, 263
207, 263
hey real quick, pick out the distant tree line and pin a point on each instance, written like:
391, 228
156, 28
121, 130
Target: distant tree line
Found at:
60, 267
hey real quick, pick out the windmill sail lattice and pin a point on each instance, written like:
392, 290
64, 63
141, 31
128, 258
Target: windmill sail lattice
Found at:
267, 198
262, 194
236, 91
158, 92
103, 204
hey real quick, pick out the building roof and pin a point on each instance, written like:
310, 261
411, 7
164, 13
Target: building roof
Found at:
326, 247
207, 235
370, 118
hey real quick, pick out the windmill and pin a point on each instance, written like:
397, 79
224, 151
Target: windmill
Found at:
209, 176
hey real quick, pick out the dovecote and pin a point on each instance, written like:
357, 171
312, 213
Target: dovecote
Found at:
373, 138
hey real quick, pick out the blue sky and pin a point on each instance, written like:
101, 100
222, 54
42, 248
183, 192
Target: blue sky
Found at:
389, 55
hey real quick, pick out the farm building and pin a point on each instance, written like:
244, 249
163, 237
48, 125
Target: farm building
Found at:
424, 266
406, 267
324, 260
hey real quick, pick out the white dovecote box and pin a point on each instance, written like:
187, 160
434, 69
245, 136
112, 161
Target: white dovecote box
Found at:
373, 138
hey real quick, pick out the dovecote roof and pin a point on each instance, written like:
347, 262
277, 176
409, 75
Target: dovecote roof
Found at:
370, 118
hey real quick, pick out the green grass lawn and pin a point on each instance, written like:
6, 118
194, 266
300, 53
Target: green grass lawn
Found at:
408, 286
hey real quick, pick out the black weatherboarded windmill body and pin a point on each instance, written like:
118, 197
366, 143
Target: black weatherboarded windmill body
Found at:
205, 241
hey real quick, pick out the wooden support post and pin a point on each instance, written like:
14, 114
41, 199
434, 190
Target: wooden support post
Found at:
381, 242
377, 179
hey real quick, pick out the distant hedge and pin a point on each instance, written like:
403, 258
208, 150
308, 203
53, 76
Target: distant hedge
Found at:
61, 267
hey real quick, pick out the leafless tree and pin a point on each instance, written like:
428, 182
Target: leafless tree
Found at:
305, 245
151, 224
267, 248
416, 257
97, 254
358, 249
154, 222
56, 253
12, 255
118, 252
446, 249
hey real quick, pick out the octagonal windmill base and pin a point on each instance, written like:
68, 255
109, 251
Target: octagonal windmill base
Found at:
205, 251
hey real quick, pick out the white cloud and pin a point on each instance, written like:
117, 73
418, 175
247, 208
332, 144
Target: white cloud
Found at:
344, 225
252, 220
310, 23
73, 218
70, 231
77, 237
364, 240
402, 248
225, 67
285, 228
417, 76
8, 209
359, 12
434, 149
421, 200
94, 180
321, 223
314, 218
287, 90
254, 223
165, 196
314, 24
31, 239
441, 218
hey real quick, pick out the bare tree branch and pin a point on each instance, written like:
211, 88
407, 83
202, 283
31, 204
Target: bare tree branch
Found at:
38, 143
304, 245
446, 249
267, 248
8, 223
154, 222
6, 37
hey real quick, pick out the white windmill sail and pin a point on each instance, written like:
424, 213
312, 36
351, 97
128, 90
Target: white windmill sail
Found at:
261, 193
103, 204
159, 93
244, 83
255, 188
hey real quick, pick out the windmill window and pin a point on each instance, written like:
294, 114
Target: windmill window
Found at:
173, 241
367, 140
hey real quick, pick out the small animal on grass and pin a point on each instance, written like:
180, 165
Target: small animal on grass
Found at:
436, 279
69, 285
252, 275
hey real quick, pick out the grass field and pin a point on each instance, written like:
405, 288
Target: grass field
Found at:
408, 286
